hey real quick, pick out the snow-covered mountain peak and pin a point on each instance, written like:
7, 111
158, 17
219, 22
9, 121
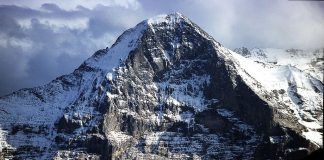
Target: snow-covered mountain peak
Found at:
173, 24
165, 90
167, 18
176, 20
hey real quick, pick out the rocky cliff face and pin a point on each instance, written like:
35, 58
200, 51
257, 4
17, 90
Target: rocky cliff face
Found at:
164, 90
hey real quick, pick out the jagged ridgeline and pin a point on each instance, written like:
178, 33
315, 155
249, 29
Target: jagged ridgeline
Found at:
166, 90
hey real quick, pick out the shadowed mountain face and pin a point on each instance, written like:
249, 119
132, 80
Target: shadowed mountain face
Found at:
164, 90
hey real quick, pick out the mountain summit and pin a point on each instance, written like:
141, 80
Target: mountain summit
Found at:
166, 90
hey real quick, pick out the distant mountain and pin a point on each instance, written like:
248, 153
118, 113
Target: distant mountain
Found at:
308, 61
168, 90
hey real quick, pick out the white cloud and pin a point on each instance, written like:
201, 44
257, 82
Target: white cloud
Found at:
57, 24
73, 4
22, 43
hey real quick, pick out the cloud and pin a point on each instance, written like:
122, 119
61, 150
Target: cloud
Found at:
40, 40
37, 45
73, 4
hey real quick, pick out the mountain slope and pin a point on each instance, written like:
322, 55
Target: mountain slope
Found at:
165, 89
294, 79
309, 61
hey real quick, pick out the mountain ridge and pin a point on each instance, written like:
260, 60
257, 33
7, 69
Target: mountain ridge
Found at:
164, 80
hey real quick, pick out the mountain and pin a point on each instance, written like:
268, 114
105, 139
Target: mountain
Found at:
308, 61
166, 90
297, 72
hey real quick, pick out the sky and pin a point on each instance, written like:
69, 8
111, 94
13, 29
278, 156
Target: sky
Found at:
43, 39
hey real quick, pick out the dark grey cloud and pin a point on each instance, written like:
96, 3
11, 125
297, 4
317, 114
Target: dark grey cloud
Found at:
40, 40
37, 45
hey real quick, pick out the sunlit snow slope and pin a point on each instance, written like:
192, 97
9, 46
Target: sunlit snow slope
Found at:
294, 78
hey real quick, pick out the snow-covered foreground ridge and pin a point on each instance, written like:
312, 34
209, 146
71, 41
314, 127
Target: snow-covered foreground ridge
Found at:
295, 77
166, 80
